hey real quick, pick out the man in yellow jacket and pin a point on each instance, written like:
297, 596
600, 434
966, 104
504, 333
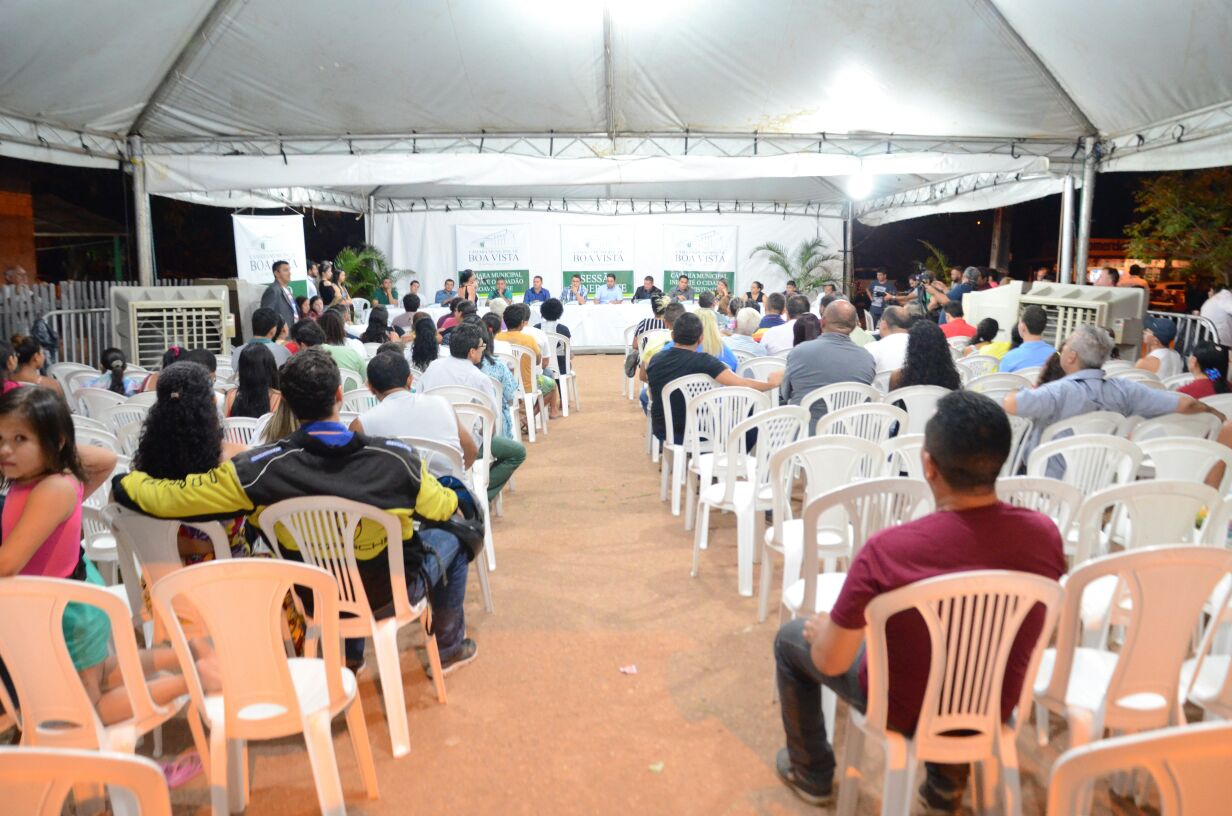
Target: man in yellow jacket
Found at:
324, 458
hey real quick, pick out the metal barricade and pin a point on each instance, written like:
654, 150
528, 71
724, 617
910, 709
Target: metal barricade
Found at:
84, 333
1190, 330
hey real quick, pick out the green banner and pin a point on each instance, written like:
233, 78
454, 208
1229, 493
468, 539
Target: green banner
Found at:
517, 281
700, 281
593, 280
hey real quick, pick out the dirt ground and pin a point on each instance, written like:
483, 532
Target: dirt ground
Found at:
592, 575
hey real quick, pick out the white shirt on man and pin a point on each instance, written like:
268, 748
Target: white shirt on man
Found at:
780, 339
428, 416
890, 352
1218, 310
450, 370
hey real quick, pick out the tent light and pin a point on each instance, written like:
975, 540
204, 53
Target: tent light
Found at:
859, 186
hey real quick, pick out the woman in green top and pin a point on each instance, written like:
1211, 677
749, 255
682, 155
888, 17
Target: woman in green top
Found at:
387, 295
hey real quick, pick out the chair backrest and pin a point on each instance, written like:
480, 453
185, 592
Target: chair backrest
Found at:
872, 421
1103, 423
521, 353
1020, 431
837, 396
93, 401
461, 394
826, 463
562, 347
77, 380
1157, 511
56, 711
973, 620
323, 529
1199, 426
129, 436
775, 428
83, 421
997, 385
480, 420
1220, 402
434, 452
881, 381
1113, 366
241, 430
37, 781
239, 603
370, 349
1135, 374
688, 386
921, 402
741, 356
362, 307
85, 435
760, 368
61, 372
359, 400
117, 416
1188, 764
1054, 498
902, 455
143, 398
1030, 374
1178, 381
350, 380
711, 415
1091, 462
1166, 588
1188, 459
977, 365
871, 506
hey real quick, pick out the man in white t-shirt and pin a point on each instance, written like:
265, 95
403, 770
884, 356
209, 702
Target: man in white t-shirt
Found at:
781, 339
891, 350
1218, 310
401, 413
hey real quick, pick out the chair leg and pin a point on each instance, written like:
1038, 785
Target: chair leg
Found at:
700, 535
1011, 784
485, 587
678, 471
358, 729
767, 578
577, 395
1042, 726
324, 764
237, 775
434, 658
692, 492
665, 472
900, 780
849, 774
562, 385
219, 774
744, 550
389, 668
528, 408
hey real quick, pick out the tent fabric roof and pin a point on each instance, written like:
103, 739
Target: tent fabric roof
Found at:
289, 79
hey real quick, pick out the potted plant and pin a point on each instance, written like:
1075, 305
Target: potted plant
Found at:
365, 268
808, 265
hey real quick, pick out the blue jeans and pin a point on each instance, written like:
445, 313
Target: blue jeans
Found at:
445, 567
800, 683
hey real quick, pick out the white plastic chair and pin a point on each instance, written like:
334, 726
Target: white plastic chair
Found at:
1134, 375
1188, 459
840, 395
881, 381
902, 456
359, 400
1052, 497
87, 435
117, 416
461, 394
92, 401
362, 308
1221, 403
997, 386
37, 781
708, 419
977, 365
673, 462
1206, 678
77, 380
266, 694
1178, 381
1091, 462
1137, 687
98, 542
1189, 766
743, 493
1199, 426
567, 382
143, 398
129, 437
350, 380
62, 371
1020, 432
921, 402
370, 349
532, 399
760, 369
826, 463
1103, 423
1030, 374
56, 710
871, 421
82, 421
973, 619
323, 530
242, 430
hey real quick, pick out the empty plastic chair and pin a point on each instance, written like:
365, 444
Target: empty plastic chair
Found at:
1103, 423
1088, 462
37, 781
674, 455
902, 456
1188, 459
921, 403
359, 400
872, 421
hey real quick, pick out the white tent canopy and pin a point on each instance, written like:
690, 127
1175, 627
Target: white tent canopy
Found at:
953, 104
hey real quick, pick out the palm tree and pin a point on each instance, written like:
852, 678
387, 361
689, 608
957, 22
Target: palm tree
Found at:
807, 266
365, 268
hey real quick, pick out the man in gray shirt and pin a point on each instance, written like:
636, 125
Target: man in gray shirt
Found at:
1085, 389
831, 358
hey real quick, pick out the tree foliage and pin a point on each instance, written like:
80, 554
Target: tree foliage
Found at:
365, 268
1185, 216
808, 265
937, 262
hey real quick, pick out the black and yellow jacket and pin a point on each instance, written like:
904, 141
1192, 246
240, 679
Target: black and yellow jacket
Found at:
384, 473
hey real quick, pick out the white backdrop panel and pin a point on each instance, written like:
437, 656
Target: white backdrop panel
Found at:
424, 242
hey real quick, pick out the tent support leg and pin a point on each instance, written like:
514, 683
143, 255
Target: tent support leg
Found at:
849, 255
141, 206
1066, 272
369, 227
1088, 201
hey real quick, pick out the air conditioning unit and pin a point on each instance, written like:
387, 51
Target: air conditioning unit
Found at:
1068, 306
146, 320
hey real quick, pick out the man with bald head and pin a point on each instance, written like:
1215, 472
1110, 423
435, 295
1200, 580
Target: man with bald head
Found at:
831, 358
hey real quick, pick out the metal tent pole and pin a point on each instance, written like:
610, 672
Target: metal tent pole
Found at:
369, 227
1088, 201
1066, 272
849, 255
141, 206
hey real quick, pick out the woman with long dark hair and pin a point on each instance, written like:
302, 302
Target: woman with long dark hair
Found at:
1208, 362
334, 328
257, 392
8, 367
378, 330
113, 364
30, 361
807, 327
424, 347
928, 360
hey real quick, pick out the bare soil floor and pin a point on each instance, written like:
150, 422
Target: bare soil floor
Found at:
592, 575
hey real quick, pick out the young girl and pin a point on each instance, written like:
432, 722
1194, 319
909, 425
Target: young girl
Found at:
41, 527
113, 363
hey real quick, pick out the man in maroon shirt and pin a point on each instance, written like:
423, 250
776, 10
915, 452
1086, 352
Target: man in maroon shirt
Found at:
965, 444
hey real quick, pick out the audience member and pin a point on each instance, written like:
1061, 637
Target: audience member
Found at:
652, 323
536, 293
776, 304
789, 289
314, 275
1034, 351
424, 346
747, 320
516, 318
551, 311
955, 325
1160, 358
508, 454
1051, 371
446, 293
495, 326
1107, 276
807, 327
712, 341
378, 330
890, 350
113, 364
1217, 308
985, 340
965, 444
1208, 363
335, 344
317, 307
404, 321
435, 561
266, 326
498, 307
971, 277
831, 358
681, 358
30, 361
257, 393
648, 290
705, 300
307, 334
303, 307
779, 339
734, 305
325, 285
504, 381
277, 297
928, 360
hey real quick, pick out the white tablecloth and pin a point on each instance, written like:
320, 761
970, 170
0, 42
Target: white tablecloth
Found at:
594, 327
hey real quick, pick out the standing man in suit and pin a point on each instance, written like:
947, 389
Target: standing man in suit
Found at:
277, 295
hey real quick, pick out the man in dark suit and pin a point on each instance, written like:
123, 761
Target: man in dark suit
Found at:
277, 295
